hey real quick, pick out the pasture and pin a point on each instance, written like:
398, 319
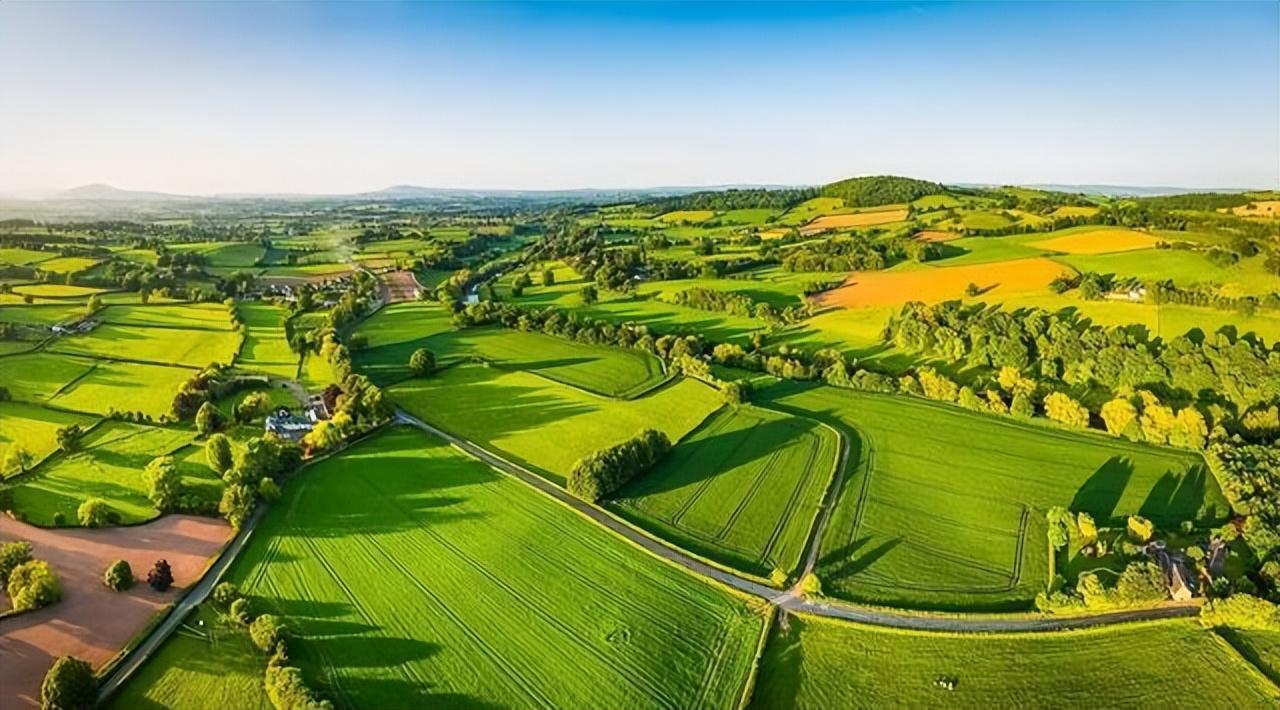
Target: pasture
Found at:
265, 348
934, 284
403, 516
213, 316
686, 216
742, 489
41, 314
19, 256
944, 508
226, 255
107, 465
89, 385
820, 663
56, 290
177, 346
541, 423
1096, 241
67, 264
33, 427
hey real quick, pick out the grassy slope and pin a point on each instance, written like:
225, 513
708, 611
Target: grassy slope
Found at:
33, 427
178, 346
741, 489
404, 517
541, 423
266, 349
952, 493
819, 663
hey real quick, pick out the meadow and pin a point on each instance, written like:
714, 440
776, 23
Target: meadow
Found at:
56, 290
601, 623
33, 427
187, 347
1096, 241
742, 489
45, 314
944, 508
87, 385
541, 423
863, 218
934, 284
820, 663
212, 316
265, 348
397, 330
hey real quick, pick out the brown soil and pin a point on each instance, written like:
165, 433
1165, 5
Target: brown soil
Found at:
398, 286
934, 236
92, 622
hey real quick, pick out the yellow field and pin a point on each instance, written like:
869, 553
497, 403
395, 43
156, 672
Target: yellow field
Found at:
1099, 241
1071, 211
774, 233
55, 290
688, 216
935, 236
856, 219
931, 285
1261, 208
67, 264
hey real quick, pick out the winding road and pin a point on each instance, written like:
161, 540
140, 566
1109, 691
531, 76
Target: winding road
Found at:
791, 600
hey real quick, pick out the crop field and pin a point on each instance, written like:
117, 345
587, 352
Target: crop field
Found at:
178, 346
867, 218
67, 264
747, 216
931, 285
1259, 208
742, 489
936, 236
108, 465
820, 663
542, 423
601, 624
266, 349
809, 209
24, 257
55, 290
1097, 241
34, 428
225, 254
213, 316
687, 216
41, 314
944, 508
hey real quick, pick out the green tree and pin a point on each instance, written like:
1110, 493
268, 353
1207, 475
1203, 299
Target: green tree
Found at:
422, 362
268, 490
208, 419
119, 576
236, 504
1120, 416
33, 585
1062, 408
12, 554
18, 459
69, 685
266, 631
1140, 528
254, 405
589, 294
94, 303
217, 451
548, 277
163, 482
69, 437
224, 594
94, 513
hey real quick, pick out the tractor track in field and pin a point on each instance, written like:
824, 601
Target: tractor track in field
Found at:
790, 600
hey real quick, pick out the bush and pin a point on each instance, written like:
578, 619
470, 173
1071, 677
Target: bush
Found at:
13, 554
32, 585
287, 690
266, 631
1140, 528
160, 577
208, 419
217, 450
119, 576
607, 470
268, 490
163, 482
69, 685
422, 362
240, 612
95, 513
225, 594
59, 519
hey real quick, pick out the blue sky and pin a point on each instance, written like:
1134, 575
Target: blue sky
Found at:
244, 97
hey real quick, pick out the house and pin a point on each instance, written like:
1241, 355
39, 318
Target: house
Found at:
318, 408
287, 426
1177, 573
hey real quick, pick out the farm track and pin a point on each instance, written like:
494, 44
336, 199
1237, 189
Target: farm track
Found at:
789, 600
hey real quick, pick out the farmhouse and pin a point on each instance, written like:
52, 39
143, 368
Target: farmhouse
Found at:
284, 424
1177, 575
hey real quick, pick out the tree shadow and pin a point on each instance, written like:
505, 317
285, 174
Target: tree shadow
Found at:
1101, 492
845, 563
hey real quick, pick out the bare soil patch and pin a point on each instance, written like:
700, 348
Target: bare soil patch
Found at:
399, 286
92, 622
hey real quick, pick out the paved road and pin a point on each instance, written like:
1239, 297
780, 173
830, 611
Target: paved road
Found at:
790, 600
193, 598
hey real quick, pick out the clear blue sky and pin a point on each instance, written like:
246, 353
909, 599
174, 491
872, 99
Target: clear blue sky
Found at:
332, 98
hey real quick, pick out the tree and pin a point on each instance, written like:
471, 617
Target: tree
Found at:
736, 392
268, 490
548, 277
422, 362
589, 294
810, 585
1120, 416
240, 612
1189, 429
69, 437
119, 576
236, 504
13, 554
1140, 528
94, 303
266, 631
1022, 406
163, 482
217, 451
69, 685
1087, 527
1062, 408
33, 585
254, 405
94, 513
225, 594
208, 419
17, 460
160, 578
1061, 524
972, 290
937, 386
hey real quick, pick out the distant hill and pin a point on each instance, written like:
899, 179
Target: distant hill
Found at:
881, 190
99, 191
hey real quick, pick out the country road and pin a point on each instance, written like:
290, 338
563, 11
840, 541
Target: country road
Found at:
790, 600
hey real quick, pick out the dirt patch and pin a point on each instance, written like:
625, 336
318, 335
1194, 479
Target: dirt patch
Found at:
93, 622
935, 236
399, 286
931, 285
856, 219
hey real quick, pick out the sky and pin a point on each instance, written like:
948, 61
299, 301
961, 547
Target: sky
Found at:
331, 98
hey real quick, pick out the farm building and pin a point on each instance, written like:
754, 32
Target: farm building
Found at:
1177, 574
284, 424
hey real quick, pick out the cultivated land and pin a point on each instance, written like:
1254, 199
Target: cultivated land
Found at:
161, 345
945, 508
266, 349
817, 663
542, 423
1097, 241
601, 623
934, 284
742, 489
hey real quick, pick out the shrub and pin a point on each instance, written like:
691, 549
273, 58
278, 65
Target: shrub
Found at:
266, 631
13, 554
286, 689
1062, 408
59, 519
738, 392
1241, 611
208, 419
422, 362
268, 490
240, 612
95, 513
69, 685
217, 451
33, 585
160, 577
225, 594
607, 470
777, 577
119, 576
1140, 528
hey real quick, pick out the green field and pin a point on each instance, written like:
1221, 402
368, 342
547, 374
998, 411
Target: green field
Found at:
1261, 648
41, 314
67, 264
107, 465
820, 663
600, 624
177, 346
33, 427
945, 508
224, 254
213, 316
397, 330
55, 290
24, 257
266, 348
89, 385
742, 489
542, 423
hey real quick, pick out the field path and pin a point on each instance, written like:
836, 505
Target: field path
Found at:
790, 600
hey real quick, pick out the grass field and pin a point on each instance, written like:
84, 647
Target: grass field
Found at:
1261, 648
108, 465
742, 489
41, 314
33, 427
56, 290
944, 508
225, 254
687, 216
809, 209
212, 316
91, 385
397, 330
266, 349
931, 285
214, 665
819, 663
67, 264
405, 517
178, 346
24, 257
1097, 241
541, 423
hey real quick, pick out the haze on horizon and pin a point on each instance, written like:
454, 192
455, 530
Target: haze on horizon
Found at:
327, 98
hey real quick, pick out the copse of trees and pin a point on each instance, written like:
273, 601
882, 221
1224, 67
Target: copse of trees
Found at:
32, 585
880, 190
599, 474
